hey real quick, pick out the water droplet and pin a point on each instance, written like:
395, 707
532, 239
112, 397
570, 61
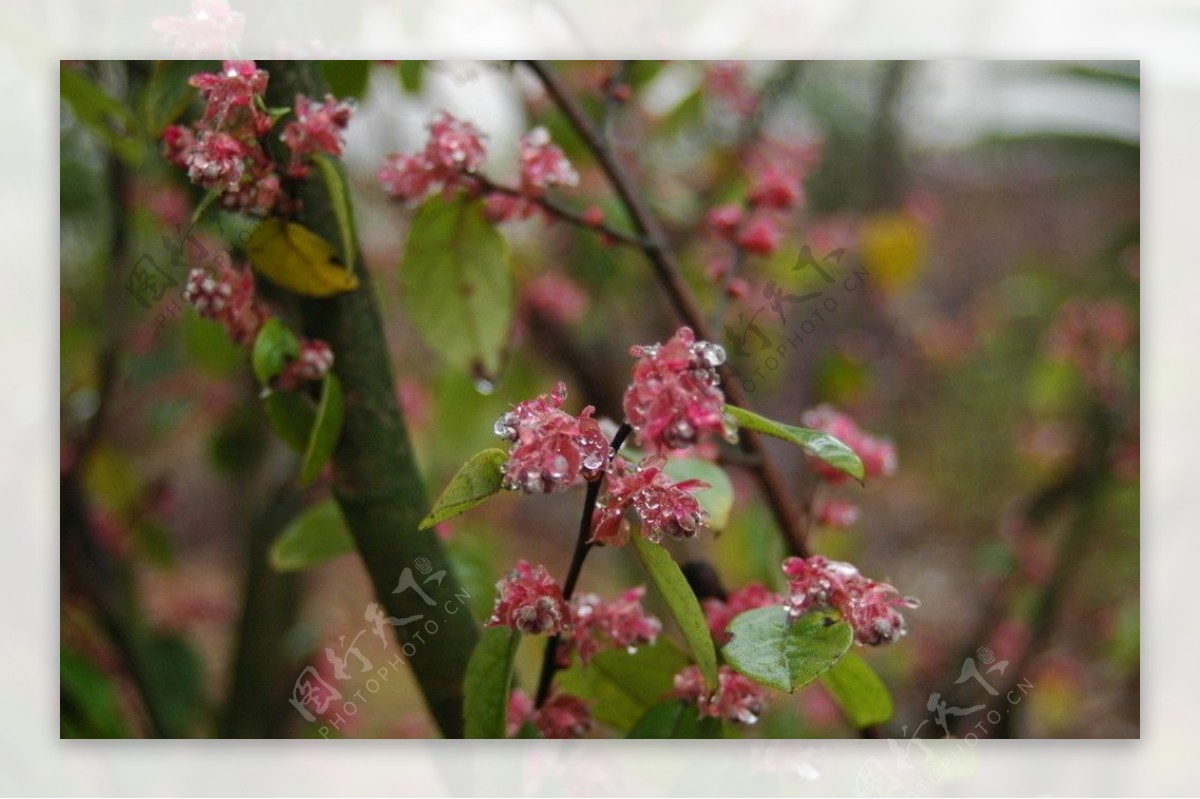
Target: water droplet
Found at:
484, 386
505, 427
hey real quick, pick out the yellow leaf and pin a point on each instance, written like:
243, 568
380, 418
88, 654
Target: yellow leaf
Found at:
299, 260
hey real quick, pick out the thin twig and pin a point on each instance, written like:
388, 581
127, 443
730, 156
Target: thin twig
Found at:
666, 270
562, 212
582, 547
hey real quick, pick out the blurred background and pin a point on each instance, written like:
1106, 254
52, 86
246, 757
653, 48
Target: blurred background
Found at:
989, 218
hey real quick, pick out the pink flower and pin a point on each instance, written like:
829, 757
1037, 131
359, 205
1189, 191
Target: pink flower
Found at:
530, 601
217, 161
406, 177
621, 623
556, 298
840, 515
878, 455
775, 188
551, 449
178, 142
666, 508
453, 151
869, 607
454, 145
520, 711
563, 716
543, 164
314, 361
725, 219
719, 613
760, 236
675, 397
317, 129
212, 29
738, 699
727, 81
233, 97
227, 297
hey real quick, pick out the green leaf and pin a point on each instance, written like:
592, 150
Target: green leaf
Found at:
412, 74
175, 680
326, 429
858, 690
814, 442
90, 705
717, 499
273, 347
681, 601
772, 650
291, 417
315, 536
346, 78
339, 198
485, 689
167, 94
457, 284
104, 115
622, 686
675, 718
477, 480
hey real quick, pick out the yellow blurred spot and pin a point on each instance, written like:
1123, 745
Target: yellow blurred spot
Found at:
892, 247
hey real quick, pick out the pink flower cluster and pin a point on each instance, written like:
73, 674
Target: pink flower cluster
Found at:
317, 128
836, 514
560, 716
212, 29
596, 625
452, 153
554, 297
870, 607
222, 152
738, 699
543, 164
1092, 335
727, 81
229, 297
530, 601
551, 449
665, 507
878, 454
313, 363
675, 397
720, 612
774, 191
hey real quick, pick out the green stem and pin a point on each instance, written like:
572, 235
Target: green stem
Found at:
375, 476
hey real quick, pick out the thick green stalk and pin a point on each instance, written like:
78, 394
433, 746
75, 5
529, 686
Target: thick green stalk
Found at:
375, 477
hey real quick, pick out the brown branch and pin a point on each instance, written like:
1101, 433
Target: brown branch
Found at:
582, 547
666, 269
561, 212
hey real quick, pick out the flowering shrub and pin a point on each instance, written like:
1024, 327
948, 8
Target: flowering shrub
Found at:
657, 559
674, 402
